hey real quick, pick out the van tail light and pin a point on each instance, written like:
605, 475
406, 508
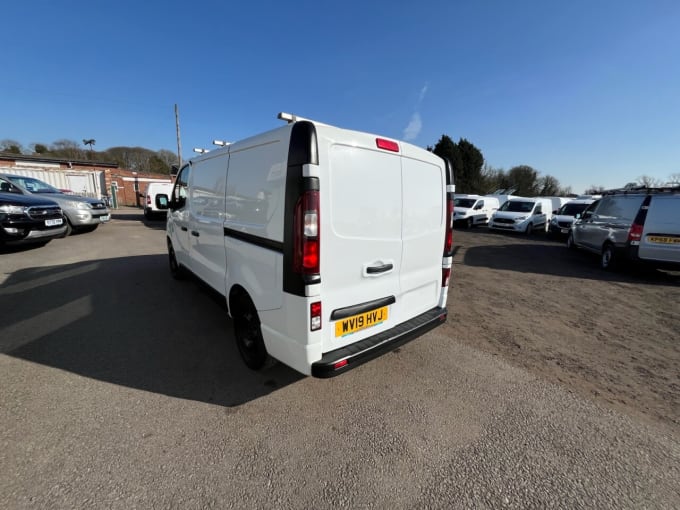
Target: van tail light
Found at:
307, 235
148, 200
315, 316
448, 243
635, 233
446, 275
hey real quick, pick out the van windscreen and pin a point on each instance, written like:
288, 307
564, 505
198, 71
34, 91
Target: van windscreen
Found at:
464, 202
517, 206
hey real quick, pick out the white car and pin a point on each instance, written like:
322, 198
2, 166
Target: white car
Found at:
330, 246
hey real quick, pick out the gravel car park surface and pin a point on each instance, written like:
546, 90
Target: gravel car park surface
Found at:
552, 384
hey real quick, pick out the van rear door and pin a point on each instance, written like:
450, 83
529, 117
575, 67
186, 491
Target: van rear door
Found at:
661, 235
382, 236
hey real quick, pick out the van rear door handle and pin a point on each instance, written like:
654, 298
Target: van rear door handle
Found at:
379, 269
195, 233
184, 229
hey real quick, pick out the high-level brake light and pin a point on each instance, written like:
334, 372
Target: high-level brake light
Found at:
388, 145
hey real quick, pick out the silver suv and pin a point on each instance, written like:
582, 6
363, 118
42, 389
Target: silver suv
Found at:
641, 225
83, 214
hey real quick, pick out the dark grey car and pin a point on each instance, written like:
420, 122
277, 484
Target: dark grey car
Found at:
640, 225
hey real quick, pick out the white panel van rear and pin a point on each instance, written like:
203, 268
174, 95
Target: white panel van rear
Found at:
331, 246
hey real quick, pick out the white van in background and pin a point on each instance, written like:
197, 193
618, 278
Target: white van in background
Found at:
519, 214
472, 210
330, 246
562, 220
156, 199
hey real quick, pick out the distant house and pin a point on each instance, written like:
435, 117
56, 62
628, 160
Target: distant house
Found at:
92, 178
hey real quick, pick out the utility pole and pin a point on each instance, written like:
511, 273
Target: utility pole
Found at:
179, 143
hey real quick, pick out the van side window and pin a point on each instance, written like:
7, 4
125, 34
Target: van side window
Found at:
181, 184
620, 207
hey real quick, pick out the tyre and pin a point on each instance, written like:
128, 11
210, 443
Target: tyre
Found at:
147, 214
470, 223
88, 228
608, 259
69, 227
530, 229
248, 333
570, 242
176, 270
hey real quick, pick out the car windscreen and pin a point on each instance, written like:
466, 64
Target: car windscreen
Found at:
464, 202
571, 209
33, 185
517, 206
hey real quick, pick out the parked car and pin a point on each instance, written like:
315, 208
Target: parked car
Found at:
83, 214
156, 199
472, 210
524, 215
26, 219
560, 223
641, 226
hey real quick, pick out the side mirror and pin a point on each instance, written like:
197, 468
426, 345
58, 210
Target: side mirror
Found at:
578, 216
162, 201
178, 203
555, 211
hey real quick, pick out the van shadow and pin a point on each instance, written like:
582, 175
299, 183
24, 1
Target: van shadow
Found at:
550, 258
126, 321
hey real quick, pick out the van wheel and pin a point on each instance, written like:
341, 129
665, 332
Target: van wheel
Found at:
175, 269
249, 334
470, 223
530, 229
608, 260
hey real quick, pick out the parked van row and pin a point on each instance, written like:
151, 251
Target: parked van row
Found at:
32, 211
330, 246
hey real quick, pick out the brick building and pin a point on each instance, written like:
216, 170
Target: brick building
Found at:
93, 178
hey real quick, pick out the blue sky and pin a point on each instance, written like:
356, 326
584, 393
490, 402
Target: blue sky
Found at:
586, 91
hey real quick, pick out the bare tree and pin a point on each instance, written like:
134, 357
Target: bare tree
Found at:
648, 182
674, 179
67, 149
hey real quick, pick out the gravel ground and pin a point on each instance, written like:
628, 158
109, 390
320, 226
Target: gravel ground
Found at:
123, 389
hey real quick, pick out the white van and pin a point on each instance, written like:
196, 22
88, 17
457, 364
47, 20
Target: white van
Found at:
472, 210
156, 198
330, 246
524, 215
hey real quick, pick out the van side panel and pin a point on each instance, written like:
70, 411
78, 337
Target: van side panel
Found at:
423, 234
254, 213
206, 214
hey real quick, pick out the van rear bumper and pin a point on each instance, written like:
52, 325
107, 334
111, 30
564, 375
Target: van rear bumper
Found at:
365, 350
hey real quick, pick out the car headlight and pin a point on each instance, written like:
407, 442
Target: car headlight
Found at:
520, 218
553, 221
77, 204
12, 209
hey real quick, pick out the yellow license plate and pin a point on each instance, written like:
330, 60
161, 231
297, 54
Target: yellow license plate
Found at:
360, 321
663, 240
